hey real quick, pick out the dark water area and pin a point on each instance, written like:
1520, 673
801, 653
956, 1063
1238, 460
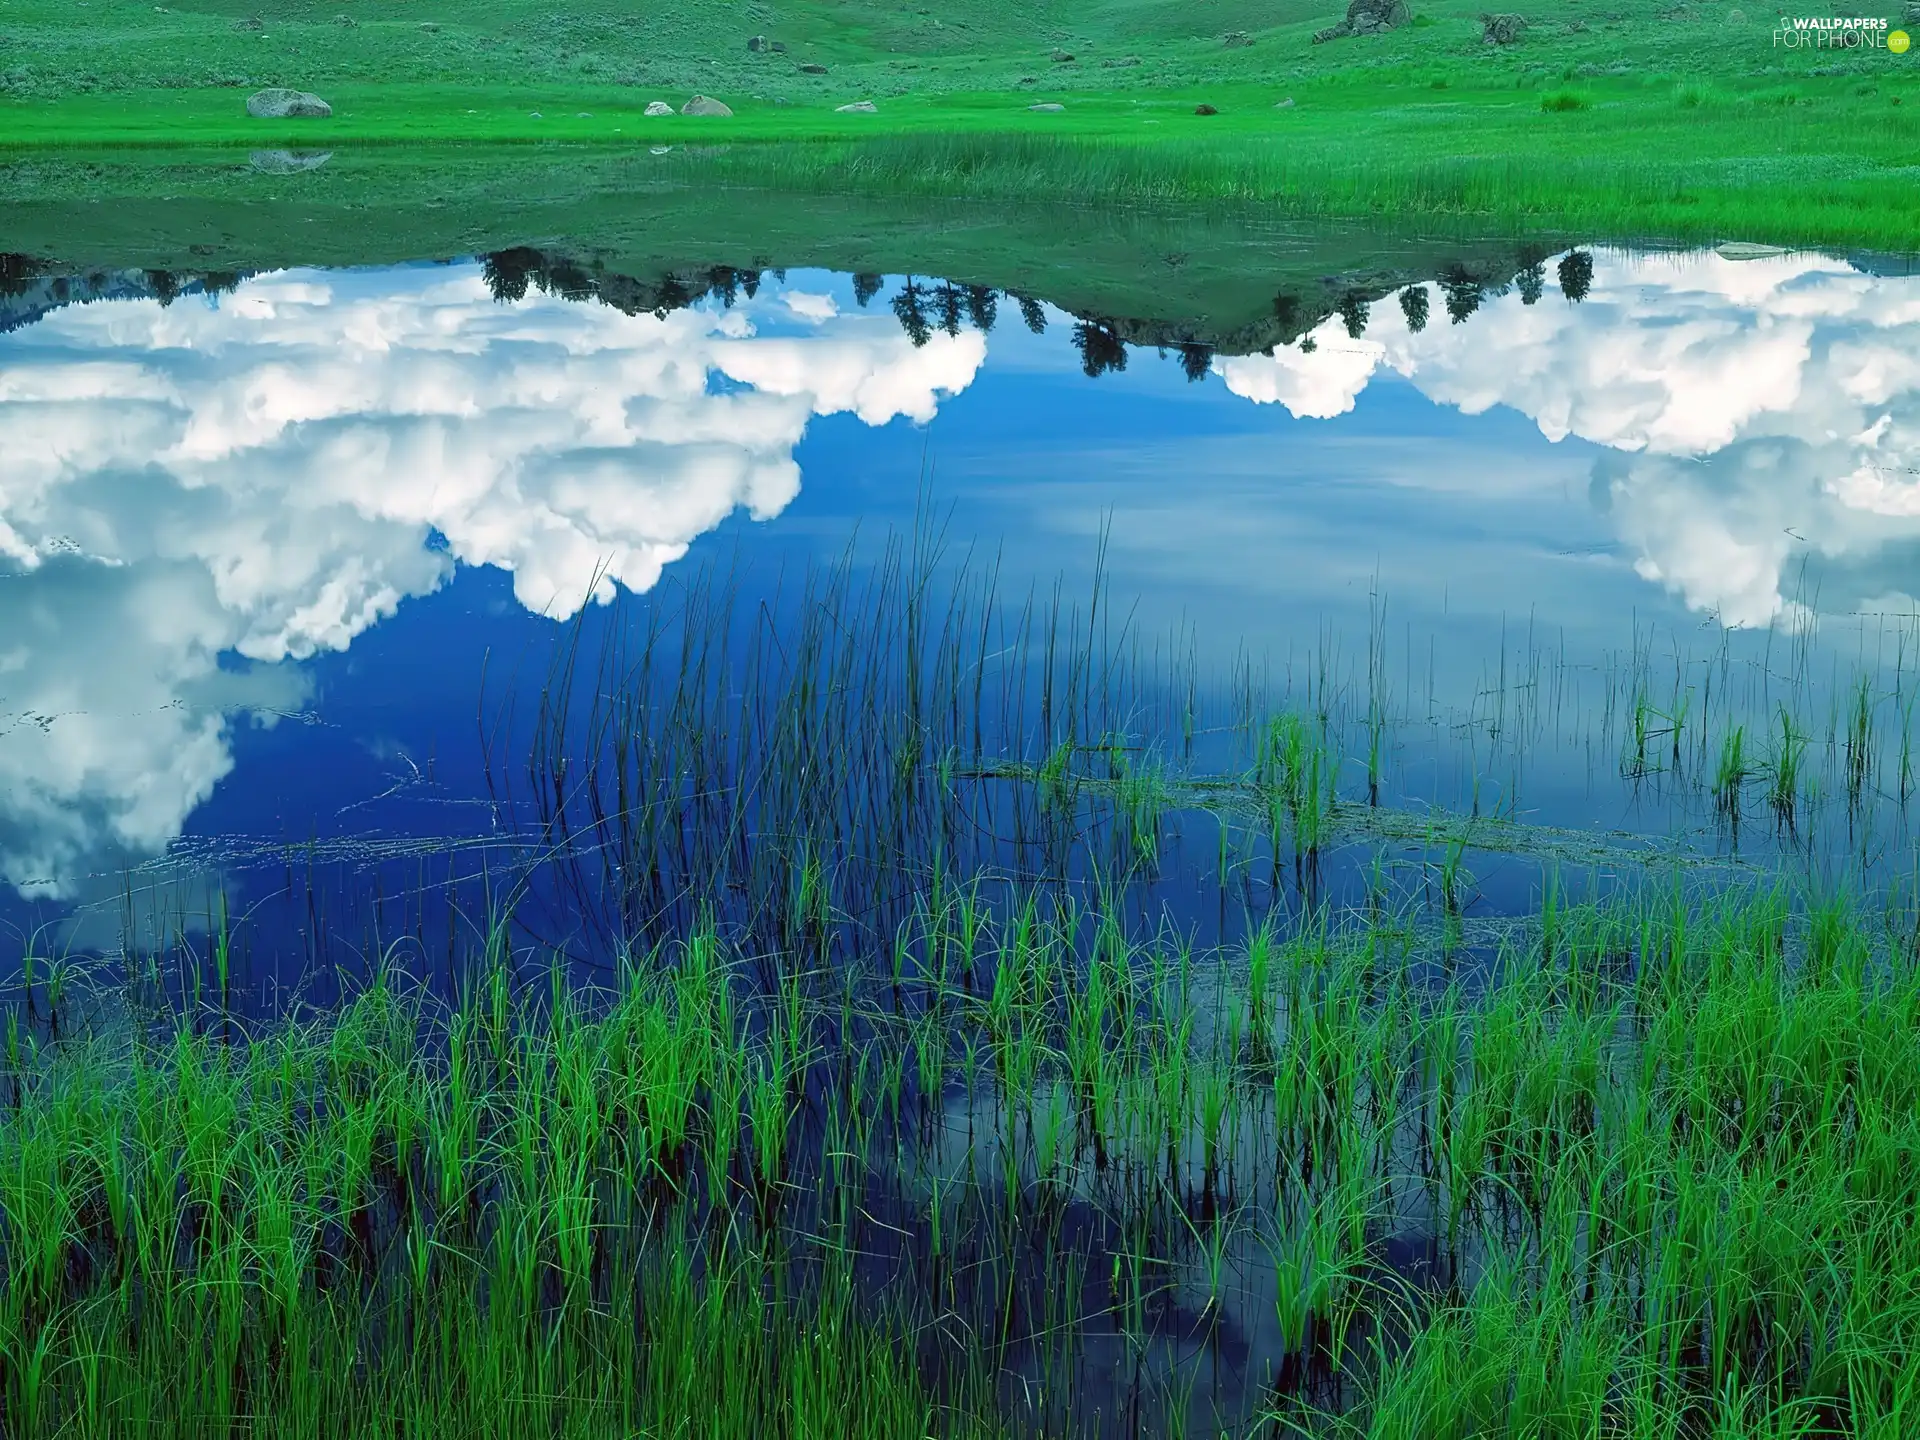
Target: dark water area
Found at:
412, 617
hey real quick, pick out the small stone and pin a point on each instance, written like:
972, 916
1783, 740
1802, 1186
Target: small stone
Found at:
779, 47
1047, 106
1238, 39
657, 107
1286, 104
535, 115
812, 69
1061, 57
704, 105
759, 43
346, 22
431, 27
858, 107
1205, 110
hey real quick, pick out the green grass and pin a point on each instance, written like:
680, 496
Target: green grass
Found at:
904, 1098
1681, 125
1661, 1160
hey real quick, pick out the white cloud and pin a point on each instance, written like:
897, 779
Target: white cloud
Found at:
1764, 400
263, 480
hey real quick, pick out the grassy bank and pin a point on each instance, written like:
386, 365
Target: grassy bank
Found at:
1643, 123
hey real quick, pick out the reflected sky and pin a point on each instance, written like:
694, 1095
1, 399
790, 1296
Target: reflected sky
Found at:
323, 494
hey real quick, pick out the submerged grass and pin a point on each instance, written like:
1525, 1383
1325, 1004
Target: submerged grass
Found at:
1645, 1175
852, 1064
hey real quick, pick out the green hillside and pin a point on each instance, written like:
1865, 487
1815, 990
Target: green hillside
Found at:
1668, 120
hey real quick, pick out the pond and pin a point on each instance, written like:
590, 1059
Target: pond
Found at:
261, 531
1144, 869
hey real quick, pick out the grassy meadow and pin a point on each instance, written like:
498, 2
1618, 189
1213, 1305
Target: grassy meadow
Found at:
853, 1062
1681, 122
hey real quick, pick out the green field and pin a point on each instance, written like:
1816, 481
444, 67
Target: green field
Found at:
1678, 123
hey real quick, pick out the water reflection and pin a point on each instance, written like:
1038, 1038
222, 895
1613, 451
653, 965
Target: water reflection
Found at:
1756, 409
218, 474
193, 492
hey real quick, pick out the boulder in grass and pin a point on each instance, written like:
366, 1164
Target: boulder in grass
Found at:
658, 107
811, 69
759, 43
858, 107
1205, 110
1502, 29
1238, 40
1367, 17
704, 105
278, 103
1047, 107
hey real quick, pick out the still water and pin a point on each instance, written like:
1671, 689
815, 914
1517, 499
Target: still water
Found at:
263, 537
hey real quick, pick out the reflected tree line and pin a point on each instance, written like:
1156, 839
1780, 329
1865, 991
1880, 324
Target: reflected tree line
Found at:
922, 307
48, 287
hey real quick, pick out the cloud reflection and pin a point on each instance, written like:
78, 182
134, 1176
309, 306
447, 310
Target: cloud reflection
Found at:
1760, 409
270, 478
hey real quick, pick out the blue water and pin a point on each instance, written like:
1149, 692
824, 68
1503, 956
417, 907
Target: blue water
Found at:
257, 549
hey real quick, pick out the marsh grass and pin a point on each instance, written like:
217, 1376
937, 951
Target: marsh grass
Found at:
849, 1065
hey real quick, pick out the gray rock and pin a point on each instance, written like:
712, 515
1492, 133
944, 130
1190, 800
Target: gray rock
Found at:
1046, 105
1502, 29
811, 69
346, 22
278, 103
1286, 104
779, 47
1061, 57
1238, 39
288, 162
704, 105
858, 107
1367, 17
430, 27
759, 43
1205, 110
657, 107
